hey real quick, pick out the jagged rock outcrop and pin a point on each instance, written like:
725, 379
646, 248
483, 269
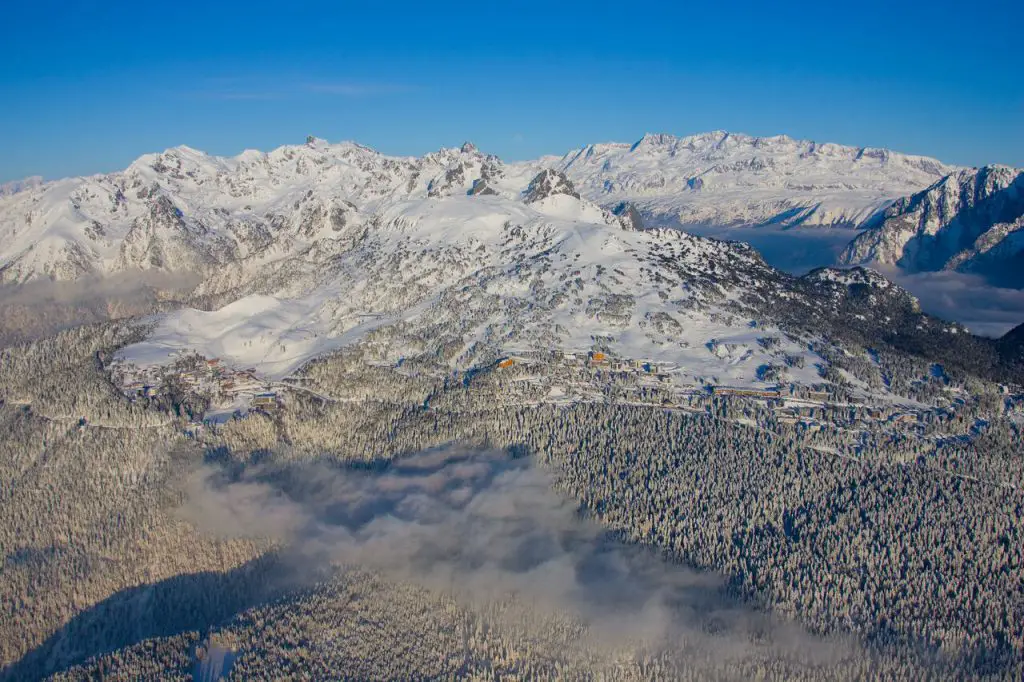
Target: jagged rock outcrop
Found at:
549, 183
629, 217
969, 221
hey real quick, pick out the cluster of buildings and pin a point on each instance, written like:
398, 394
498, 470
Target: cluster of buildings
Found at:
797, 405
209, 377
595, 360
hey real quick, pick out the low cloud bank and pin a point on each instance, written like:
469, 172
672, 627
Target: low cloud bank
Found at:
984, 309
482, 525
39, 308
796, 250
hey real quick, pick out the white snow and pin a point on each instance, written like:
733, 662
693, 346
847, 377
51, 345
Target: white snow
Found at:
490, 269
722, 178
319, 245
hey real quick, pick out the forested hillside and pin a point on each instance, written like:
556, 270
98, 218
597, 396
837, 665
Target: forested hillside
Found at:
139, 547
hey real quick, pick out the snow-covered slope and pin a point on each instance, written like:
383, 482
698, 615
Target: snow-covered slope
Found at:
315, 247
15, 186
971, 221
184, 209
480, 274
469, 278
722, 178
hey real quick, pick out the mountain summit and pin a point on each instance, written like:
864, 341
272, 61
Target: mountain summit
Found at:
185, 209
722, 178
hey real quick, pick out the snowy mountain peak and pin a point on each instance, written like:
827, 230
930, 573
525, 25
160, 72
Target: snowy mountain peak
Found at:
549, 183
653, 140
264, 204
727, 178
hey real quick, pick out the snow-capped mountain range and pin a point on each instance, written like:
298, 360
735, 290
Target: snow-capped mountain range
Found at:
187, 209
15, 186
725, 179
970, 221
315, 247
184, 210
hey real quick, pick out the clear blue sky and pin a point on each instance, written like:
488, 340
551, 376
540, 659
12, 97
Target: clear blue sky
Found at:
86, 86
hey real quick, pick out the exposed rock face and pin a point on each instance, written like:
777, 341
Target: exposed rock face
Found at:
969, 221
480, 188
454, 176
629, 217
548, 183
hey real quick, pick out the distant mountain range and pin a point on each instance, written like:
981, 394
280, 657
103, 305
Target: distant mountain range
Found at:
15, 186
185, 209
725, 179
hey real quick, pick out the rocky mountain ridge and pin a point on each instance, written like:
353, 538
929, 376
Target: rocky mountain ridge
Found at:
312, 248
970, 221
184, 208
722, 178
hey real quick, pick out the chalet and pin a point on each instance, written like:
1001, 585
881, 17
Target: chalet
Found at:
820, 396
266, 400
745, 392
598, 358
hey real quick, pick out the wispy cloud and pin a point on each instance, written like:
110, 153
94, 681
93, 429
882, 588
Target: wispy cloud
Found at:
482, 526
231, 95
355, 89
227, 89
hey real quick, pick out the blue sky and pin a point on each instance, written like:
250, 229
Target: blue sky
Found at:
87, 86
